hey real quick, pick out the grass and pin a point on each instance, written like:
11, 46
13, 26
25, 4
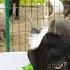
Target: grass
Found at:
1, 1
28, 67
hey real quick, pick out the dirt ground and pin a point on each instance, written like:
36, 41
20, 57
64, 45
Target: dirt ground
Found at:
20, 29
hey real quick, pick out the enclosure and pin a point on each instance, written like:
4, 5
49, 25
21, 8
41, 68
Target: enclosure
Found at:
30, 14
17, 31
16, 21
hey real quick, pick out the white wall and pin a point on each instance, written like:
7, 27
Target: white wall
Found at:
13, 60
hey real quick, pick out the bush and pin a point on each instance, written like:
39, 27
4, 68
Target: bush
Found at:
29, 2
33, 2
28, 67
1, 1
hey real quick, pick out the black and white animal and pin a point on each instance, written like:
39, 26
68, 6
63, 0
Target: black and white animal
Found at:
16, 2
50, 50
53, 53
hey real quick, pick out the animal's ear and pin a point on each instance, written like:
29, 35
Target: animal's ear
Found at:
34, 31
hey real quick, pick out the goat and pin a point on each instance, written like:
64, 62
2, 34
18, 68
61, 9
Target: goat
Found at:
53, 53
50, 50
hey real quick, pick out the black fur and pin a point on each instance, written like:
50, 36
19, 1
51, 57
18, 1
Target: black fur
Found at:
52, 49
61, 25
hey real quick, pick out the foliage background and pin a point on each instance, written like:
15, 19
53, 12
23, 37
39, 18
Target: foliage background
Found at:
29, 2
32, 2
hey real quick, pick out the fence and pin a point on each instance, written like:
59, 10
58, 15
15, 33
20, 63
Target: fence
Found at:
18, 30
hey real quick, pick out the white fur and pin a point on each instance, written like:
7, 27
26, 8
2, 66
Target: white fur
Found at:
35, 39
57, 6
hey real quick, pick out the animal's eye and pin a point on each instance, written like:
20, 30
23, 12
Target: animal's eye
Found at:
58, 66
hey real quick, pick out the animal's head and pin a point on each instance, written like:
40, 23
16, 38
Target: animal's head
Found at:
51, 50
52, 53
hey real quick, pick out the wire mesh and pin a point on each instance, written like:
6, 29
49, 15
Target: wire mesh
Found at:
29, 15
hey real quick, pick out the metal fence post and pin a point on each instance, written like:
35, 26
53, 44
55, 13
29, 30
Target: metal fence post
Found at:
7, 25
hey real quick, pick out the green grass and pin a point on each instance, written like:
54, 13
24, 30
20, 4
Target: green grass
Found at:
1, 1
28, 67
